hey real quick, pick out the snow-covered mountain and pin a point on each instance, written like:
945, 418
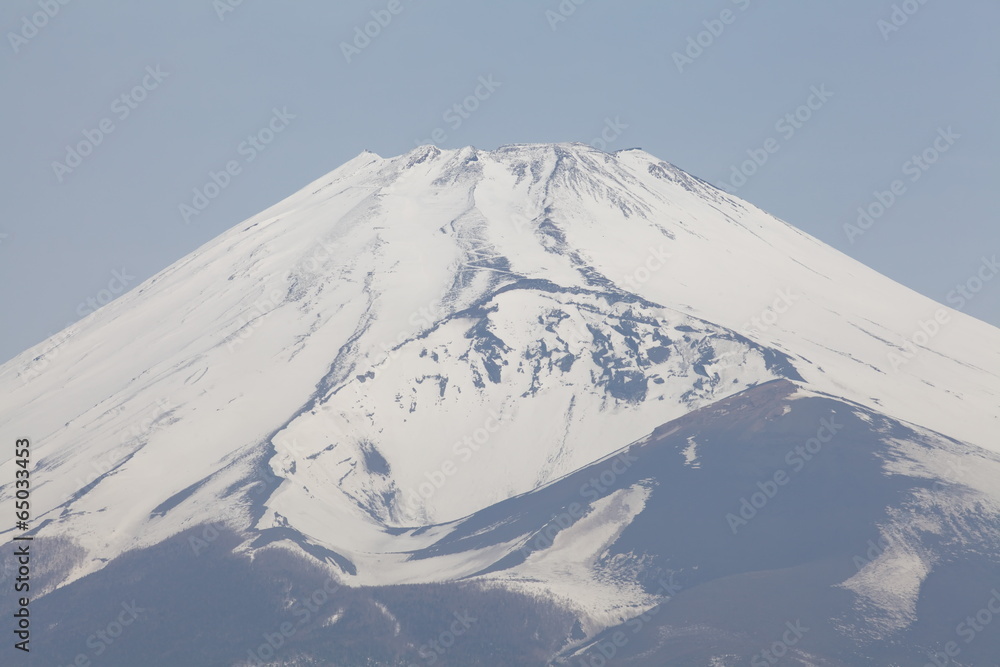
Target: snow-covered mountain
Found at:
403, 370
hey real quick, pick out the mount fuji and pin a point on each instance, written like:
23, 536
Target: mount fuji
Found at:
541, 405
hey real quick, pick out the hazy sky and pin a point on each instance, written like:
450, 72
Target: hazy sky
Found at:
152, 97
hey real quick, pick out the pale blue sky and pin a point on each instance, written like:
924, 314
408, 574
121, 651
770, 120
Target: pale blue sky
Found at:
220, 80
